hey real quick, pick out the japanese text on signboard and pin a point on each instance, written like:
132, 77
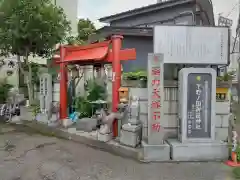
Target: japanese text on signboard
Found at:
199, 105
156, 98
195, 113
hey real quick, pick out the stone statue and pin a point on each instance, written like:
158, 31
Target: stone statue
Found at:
107, 120
134, 110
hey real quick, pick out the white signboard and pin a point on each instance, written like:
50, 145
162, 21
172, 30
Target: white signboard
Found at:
192, 44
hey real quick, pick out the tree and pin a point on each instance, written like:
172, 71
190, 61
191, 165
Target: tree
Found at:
31, 27
86, 28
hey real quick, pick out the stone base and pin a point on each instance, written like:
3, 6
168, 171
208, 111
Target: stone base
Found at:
42, 118
16, 120
66, 122
104, 137
155, 153
130, 135
86, 124
198, 151
26, 113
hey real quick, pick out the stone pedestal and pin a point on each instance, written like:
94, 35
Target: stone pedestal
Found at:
42, 118
54, 121
198, 151
66, 122
104, 137
26, 113
130, 135
157, 153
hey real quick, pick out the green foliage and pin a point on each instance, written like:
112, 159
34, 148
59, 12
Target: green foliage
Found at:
31, 27
35, 109
83, 106
135, 75
238, 153
94, 92
4, 90
236, 172
85, 29
227, 76
35, 70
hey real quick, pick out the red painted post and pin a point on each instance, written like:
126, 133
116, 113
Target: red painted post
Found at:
63, 85
116, 77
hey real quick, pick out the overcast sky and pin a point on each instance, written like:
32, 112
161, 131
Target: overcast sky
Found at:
95, 9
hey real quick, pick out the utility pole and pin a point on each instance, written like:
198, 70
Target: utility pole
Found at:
238, 68
225, 22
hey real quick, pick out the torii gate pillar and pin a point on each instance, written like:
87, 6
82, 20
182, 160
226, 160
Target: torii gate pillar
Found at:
116, 76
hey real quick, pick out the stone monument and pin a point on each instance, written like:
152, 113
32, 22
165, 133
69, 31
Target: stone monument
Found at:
130, 133
155, 148
196, 117
45, 98
105, 132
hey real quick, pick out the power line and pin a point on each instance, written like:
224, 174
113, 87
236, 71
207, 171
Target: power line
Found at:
234, 44
234, 7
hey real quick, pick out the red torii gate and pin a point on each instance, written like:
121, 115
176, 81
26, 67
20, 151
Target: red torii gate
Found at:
89, 55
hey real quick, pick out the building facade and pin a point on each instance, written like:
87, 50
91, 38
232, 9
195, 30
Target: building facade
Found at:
137, 26
70, 8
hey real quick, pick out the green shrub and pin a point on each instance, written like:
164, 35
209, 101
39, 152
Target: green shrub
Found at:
4, 90
236, 172
135, 75
95, 91
83, 104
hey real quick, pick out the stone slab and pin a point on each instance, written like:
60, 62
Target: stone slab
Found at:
86, 124
130, 135
26, 113
155, 153
198, 151
42, 118
104, 137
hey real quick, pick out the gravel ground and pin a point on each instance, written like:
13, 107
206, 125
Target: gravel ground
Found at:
30, 156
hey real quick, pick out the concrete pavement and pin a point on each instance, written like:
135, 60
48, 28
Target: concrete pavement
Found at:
30, 156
